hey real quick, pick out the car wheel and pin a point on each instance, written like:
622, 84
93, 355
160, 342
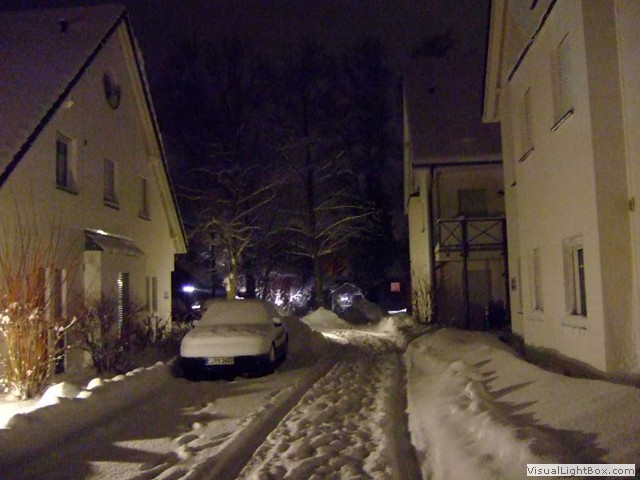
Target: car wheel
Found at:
285, 348
269, 364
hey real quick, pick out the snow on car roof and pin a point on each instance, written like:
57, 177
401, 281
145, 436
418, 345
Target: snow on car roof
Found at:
238, 312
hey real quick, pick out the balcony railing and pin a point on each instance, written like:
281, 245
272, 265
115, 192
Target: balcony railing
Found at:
471, 234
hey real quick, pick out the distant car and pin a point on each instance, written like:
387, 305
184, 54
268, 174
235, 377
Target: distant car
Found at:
233, 337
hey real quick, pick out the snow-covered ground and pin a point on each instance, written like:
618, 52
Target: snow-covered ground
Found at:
334, 410
347, 424
477, 411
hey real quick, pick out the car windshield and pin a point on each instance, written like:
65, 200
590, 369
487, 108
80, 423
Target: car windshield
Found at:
238, 312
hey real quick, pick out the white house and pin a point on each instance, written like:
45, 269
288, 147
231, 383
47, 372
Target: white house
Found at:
562, 79
81, 157
453, 184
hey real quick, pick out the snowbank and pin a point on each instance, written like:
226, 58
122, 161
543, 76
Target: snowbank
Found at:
65, 409
304, 340
478, 411
323, 319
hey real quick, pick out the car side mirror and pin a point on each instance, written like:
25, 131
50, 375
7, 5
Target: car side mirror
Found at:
277, 321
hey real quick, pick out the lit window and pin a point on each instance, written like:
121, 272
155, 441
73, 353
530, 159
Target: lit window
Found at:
536, 280
65, 174
561, 82
110, 182
143, 206
575, 285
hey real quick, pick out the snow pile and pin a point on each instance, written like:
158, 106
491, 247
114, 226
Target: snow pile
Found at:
323, 319
303, 341
65, 408
477, 411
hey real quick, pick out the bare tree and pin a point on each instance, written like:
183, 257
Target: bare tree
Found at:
233, 212
325, 211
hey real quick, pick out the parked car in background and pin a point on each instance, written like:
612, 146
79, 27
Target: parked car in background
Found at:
235, 337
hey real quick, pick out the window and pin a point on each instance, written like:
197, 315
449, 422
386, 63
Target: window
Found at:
536, 280
574, 274
527, 126
562, 94
65, 174
152, 295
109, 179
143, 207
473, 202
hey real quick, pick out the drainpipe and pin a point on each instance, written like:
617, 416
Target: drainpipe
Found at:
505, 253
432, 240
465, 273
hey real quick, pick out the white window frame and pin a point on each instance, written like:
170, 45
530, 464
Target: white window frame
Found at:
561, 82
110, 182
526, 126
575, 277
143, 198
65, 165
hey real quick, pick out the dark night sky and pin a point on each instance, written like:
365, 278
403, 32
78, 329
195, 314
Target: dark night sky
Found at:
271, 25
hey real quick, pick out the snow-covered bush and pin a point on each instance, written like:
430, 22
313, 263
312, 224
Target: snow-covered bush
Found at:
110, 335
32, 326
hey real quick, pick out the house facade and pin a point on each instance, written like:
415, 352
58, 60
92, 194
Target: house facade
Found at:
562, 80
453, 186
82, 161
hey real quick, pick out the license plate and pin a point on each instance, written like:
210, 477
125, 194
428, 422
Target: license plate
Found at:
219, 361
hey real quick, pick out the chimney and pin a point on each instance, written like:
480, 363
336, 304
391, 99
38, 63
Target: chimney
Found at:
64, 25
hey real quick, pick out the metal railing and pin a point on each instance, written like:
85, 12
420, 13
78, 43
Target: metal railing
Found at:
471, 234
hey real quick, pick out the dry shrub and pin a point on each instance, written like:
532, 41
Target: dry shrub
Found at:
422, 305
110, 335
30, 326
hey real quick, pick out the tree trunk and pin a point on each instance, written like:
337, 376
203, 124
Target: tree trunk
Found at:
317, 275
232, 279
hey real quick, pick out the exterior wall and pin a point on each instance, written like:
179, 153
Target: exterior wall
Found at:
627, 21
99, 132
574, 182
516, 292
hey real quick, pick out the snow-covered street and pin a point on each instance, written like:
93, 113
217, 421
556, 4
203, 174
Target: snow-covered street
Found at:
335, 409
344, 423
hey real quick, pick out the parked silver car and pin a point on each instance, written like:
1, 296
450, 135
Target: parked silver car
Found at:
233, 337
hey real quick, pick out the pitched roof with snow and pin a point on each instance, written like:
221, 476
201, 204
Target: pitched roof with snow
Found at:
443, 96
43, 54
39, 62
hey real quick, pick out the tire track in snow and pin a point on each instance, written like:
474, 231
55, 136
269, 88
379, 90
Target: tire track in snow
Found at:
343, 426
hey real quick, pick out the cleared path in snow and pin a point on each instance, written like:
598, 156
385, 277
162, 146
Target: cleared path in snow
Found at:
350, 424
